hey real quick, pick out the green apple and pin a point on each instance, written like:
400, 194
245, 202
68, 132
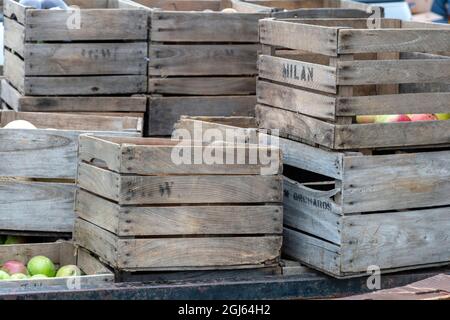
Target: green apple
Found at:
41, 265
39, 276
18, 276
4, 275
14, 240
443, 116
69, 270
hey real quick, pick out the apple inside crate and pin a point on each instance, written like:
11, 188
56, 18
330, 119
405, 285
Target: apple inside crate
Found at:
61, 253
139, 211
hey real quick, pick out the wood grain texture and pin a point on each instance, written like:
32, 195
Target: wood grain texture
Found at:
36, 206
394, 240
164, 112
178, 220
413, 180
172, 189
204, 26
298, 73
207, 86
295, 125
202, 59
14, 36
296, 100
62, 59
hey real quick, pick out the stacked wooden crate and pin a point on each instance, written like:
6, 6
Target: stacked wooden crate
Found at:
359, 195
90, 59
38, 168
140, 211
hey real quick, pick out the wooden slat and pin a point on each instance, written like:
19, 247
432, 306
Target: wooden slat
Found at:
394, 40
179, 220
297, 36
14, 36
95, 85
123, 24
55, 59
14, 70
164, 112
202, 59
208, 86
302, 74
392, 71
311, 211
36, 206
296, 125
204, 27
378, 135
317, 13
296, 100
393, 240
24, 252
396, 181
182, 5
172, 189
12, 9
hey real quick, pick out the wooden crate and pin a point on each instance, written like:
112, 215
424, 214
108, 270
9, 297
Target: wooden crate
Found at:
320, 9
127, 105
345, 211
39, 167
138, 211
48, 54
337, 69
61, 253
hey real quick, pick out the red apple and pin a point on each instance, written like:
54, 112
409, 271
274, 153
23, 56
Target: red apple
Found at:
423, 117
397, 118
13, 267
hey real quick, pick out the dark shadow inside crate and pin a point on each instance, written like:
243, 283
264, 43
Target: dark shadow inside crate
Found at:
311, 179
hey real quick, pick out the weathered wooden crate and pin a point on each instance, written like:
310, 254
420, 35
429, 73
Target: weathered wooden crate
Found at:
126, 105
139, 211
98, 49
38, 167
320, 8
338, 69
345, 211
61, 253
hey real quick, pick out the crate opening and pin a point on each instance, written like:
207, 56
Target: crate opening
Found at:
313, 180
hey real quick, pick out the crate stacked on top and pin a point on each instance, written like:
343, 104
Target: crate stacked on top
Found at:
320, 9
38, 168
140, 210
359, 194
92, 58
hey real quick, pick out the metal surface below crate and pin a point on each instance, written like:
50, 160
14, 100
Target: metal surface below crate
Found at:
336, 69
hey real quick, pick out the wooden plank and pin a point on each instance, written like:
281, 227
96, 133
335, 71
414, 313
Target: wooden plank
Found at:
131, 157
94, 85
296, 125
317, 13
303, 156
123, 24
394, 40
392, 71
298, 73
397, 181
164, 112
378, 135
71, 104
171, 26
296, 100
64, 121
172, 189
36, 206
14, 36
312, 211
388, 239
208, 86
14, 70
61, 59
24, 252
412, 103
202, 59
182, 5
299, 36
178, 220
12, 9
91, 266
246, 7
311, 251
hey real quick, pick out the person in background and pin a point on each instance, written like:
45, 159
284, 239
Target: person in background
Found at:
441, 7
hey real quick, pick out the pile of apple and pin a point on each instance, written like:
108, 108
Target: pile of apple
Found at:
39, 267
403, 118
